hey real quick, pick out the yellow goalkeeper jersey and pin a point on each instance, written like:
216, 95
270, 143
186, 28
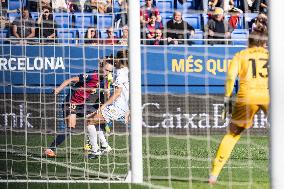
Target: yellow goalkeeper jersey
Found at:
251, 67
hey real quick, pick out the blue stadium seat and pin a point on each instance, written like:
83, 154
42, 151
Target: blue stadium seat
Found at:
166, 16
34, 15
15, 4
248, 17
12, 16
193, 19
240, 36
205, 19
3, 35
63, 20
66, 36
81, 35
198, 35
165, 5
84, 20
188, 4
105, 21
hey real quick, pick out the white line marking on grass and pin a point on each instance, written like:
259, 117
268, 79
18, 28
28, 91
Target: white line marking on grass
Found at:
19, 153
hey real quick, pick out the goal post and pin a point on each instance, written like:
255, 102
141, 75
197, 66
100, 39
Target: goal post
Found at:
277, 93
135, 92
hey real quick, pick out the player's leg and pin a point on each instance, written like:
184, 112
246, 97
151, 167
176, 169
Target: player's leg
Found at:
70, 121
105, 148
242, 118
92, 133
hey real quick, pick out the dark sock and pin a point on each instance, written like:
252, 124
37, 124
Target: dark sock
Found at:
58, 140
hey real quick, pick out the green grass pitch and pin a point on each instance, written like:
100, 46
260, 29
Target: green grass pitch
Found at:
173, 162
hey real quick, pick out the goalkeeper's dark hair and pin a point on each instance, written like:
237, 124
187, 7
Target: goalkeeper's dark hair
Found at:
121, 58
259, 37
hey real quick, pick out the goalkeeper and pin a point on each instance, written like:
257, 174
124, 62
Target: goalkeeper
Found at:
251, 67
75, 103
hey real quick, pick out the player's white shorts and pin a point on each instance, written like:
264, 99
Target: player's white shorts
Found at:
112, 112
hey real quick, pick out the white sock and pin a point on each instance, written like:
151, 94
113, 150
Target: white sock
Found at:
93, 137
102, 139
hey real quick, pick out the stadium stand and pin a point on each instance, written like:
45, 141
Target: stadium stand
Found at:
193, 19
103, 33
64, 20
84, 20
241, 35
4, 33
104, 21
16, 4
188, 4
165, 5
34, 15
12, 16
198, 35
166, 16
67, 36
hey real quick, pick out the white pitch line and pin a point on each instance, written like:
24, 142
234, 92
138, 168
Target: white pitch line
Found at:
61, 164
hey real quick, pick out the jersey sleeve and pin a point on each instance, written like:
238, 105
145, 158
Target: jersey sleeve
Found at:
232, 75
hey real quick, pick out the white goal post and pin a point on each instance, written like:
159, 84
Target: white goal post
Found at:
135, 92
277, 93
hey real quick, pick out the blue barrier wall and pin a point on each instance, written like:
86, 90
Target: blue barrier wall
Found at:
190, 69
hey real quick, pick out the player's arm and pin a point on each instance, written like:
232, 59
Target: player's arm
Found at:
65, 83
232, 75
229, 86
116, 94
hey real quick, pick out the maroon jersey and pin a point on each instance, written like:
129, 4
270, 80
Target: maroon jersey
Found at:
146, 12
87, 84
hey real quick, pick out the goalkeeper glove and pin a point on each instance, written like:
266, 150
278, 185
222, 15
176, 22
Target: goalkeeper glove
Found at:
228, 107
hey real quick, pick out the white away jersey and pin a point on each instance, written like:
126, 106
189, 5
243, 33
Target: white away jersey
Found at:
122, 80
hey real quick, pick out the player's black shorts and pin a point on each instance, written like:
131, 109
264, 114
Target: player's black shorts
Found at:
79, 110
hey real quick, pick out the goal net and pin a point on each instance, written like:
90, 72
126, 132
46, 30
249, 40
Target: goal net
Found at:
182, 101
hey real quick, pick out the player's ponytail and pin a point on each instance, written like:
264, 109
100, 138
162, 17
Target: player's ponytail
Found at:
259, 37
121, 58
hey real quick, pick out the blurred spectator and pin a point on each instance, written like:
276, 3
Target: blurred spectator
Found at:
264, 6
152, 26
91, 36
4, 22
146, 11
254, 6
158, 38
108, 7
198, 4
46, 26
74, 5
178, 29
261, 19
36, 5
59, 6
24, 26
94, 6
111, 38
218, 27
120, 7
124, 37
4, 4
221, 3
